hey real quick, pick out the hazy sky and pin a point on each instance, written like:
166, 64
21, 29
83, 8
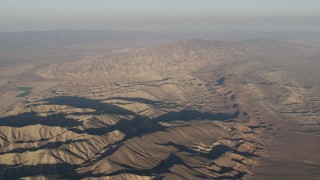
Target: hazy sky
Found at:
158, 15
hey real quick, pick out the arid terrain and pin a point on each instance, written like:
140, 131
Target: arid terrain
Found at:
189, 109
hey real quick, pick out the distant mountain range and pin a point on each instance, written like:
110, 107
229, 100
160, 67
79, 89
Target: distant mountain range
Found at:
69, 37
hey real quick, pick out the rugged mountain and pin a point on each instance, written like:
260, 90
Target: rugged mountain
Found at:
191, 110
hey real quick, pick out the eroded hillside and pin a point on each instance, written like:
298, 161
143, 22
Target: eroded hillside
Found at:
191, 110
